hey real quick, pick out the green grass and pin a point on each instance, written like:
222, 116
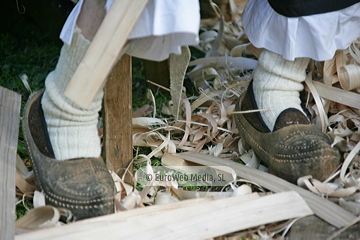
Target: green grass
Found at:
25, 57
26, 51
21, 210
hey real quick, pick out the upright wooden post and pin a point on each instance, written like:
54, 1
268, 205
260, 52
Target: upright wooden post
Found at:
118, 116
9, 129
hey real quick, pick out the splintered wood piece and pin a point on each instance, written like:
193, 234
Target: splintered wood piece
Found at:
104, 51
118, 116
143, 111
139, 212
178, 65
193, 221
328, 211
9, 129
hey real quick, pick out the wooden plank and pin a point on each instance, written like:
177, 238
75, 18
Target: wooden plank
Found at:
118, 116
319, 229
210, 219
9, 130
223, 220
27, 220
123, 216
104, 50
329, 211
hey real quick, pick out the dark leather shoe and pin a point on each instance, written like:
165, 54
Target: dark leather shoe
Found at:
84, 186
294, 149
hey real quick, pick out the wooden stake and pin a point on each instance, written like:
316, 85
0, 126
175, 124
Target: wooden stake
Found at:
118, 116
9, 129
104, 51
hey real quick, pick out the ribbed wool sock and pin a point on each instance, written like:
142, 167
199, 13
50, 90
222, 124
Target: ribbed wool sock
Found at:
277, 83
72, 129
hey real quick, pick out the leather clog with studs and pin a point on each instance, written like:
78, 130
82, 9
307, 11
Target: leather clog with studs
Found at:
294, 148
83, 186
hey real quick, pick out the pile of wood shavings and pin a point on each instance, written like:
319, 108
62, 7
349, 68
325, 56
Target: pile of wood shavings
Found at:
207, 124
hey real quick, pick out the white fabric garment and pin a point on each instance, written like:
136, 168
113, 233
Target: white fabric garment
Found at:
315, 36
163, 27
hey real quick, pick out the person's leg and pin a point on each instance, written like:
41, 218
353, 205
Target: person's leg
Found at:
277, 83
72, 129
82, 184
281, 134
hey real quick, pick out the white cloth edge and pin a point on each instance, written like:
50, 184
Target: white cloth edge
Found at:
149, 32
316, 36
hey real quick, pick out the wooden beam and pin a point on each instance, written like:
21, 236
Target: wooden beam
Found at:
104, 51
118, 116
122, 216
9, 130
210, 219
329, 211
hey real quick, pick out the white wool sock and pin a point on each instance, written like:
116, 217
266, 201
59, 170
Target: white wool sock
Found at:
277, 83
72, 129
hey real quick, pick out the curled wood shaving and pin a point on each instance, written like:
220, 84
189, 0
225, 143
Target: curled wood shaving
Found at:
319, 105
41, 217
349, 160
